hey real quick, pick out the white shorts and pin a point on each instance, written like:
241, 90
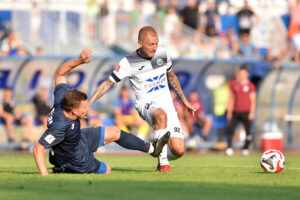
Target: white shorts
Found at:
173, 125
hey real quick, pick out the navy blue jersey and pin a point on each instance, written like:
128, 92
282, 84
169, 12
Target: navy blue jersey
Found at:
69, 144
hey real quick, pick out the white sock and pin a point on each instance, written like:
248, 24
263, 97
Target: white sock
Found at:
159, 133
163, 158
170, 155
151, 149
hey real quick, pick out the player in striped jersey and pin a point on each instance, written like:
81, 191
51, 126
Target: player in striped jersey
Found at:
149, 70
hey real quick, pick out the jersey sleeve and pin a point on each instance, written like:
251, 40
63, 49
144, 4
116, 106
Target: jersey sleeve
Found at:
59, 92
122, 71
169, 63
52, 137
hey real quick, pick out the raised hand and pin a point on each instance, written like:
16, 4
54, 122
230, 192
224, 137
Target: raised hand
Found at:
85, 56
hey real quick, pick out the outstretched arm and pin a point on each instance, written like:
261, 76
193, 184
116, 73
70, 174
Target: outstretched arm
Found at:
68, 66
173, 81
101, 90
39, 156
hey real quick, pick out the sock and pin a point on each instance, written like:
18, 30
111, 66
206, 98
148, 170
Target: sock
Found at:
159, 133
163, 158
151, 148
130, 141
170, 155
247, 142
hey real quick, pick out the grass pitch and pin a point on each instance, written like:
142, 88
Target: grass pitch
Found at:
133, 177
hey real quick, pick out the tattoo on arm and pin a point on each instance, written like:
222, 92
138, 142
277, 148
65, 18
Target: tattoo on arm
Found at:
101, 90
174, 82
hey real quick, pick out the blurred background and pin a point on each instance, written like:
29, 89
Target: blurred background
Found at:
206, 39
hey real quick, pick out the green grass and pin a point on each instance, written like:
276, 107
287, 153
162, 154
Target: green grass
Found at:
133, 177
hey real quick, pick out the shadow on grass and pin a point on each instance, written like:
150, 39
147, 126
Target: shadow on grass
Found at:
131, 170
14, 172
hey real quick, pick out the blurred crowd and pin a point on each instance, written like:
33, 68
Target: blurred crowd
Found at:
188, 28
194, 29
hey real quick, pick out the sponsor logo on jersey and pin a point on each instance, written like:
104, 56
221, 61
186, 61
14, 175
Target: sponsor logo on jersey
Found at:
49, 138
155, 83
159, 61
141, 67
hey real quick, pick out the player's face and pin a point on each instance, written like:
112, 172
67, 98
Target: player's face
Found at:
148, 45
243, 75
82, 110
7, 94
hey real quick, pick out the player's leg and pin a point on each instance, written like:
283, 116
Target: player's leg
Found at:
230, 133
9, 120
159, 121
176, 148
130, 141
247, 124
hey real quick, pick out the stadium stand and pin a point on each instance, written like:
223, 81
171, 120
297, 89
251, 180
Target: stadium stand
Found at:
47, 33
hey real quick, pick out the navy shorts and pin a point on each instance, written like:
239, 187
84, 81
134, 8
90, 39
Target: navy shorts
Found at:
94, 137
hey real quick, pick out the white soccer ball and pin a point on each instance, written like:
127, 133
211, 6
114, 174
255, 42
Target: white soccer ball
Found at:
272, 161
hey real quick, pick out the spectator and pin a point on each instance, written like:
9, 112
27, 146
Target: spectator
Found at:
122, 20
246, 48
171, 22
232, 37
35, 23
294, 25
107, 26
222, 48
220, 96
92, 12
162, 7
2, 36
189, 14
211, 19
174, 4
241, 107
126, 116
11, 45
42, 106
38, 51
10, 114
199, 120
296, 46
245, 19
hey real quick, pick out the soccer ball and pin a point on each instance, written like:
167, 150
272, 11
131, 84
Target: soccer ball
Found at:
272, 161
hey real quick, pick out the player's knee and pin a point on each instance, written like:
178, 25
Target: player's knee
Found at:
108, 169
179, 152
159, 117
115, 131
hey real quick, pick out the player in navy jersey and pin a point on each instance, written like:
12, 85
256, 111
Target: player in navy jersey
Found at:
149, 70
72, 147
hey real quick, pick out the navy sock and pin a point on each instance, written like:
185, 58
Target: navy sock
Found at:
130, 141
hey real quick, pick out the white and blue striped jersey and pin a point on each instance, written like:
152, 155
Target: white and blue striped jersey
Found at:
148, 77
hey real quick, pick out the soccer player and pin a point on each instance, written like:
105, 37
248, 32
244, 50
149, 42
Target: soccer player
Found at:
150, 70
72, 147
240, 108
